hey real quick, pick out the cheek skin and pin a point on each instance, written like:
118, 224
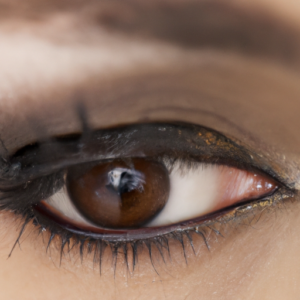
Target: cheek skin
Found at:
258, 262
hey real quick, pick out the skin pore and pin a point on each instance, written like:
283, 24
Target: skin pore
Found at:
126, 69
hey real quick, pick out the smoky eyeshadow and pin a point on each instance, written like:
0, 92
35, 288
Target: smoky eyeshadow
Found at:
188, 143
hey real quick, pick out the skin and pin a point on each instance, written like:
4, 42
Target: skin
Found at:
52, 55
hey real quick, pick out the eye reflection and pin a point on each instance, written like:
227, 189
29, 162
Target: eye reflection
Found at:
142, 193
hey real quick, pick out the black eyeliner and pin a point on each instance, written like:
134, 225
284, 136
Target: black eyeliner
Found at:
42, 163
189, 142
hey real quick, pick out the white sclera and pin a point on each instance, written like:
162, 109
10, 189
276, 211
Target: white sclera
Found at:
193, 193
62, 204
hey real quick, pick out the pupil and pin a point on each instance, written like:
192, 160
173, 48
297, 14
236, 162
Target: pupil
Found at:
115, 195
125, 180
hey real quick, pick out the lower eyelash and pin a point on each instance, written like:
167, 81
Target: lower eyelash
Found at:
69, 241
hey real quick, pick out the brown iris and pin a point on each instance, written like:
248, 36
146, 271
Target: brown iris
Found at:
120, 194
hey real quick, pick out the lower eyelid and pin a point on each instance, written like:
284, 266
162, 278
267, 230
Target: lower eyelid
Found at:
181, 241
198, 225
179, 249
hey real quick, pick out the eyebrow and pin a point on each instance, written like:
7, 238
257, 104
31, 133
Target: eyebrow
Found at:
189, 24
212, 24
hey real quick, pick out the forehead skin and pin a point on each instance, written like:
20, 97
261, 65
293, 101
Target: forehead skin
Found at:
230, 66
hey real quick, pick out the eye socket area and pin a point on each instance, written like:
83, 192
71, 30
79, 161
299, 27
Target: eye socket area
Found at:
185, 192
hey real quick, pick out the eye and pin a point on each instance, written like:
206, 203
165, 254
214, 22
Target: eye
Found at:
144, 193
135, 184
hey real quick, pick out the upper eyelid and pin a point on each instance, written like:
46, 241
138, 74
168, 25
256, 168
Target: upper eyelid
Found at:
193, 142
